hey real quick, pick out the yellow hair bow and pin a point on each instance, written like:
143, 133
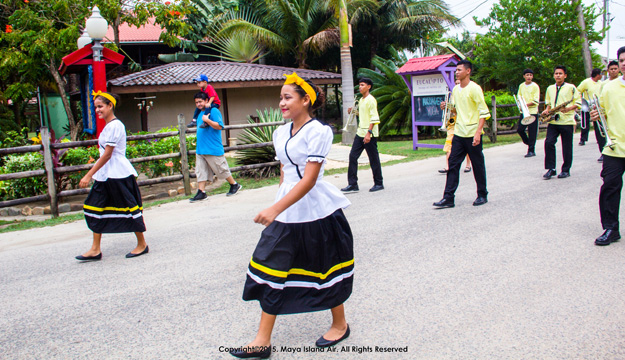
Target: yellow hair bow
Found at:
106, 95
295, 79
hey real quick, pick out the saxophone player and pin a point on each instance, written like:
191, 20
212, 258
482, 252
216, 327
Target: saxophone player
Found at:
563, 123
530, 92
612, 100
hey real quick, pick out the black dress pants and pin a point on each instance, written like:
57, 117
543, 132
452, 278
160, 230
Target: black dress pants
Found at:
566, 133
600, 138
586, 130
610, 194
374, 160
460, 147
529, 139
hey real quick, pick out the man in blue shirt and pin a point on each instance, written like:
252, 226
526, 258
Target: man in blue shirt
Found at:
209, 153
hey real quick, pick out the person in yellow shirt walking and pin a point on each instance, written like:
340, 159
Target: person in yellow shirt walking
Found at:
365, 139
613, 72
563, 123
471, 113
588, 88
530, 92
612, 100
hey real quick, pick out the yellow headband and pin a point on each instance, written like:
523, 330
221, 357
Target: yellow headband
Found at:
106, 95
295, 79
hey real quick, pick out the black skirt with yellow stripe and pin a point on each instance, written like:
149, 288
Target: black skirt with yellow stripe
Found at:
114, 206
302, 267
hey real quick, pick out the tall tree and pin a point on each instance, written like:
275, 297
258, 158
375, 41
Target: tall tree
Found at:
346, 68
536, 34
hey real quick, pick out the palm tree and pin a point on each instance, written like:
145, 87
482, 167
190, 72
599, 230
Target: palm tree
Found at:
288, 27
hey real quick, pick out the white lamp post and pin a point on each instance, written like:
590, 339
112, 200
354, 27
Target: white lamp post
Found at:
83, 40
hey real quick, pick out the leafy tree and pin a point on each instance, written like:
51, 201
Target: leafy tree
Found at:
536, 34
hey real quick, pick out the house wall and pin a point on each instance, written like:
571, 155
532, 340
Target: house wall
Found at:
241, 102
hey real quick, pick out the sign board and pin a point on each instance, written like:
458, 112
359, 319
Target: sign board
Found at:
427, 108
433, 84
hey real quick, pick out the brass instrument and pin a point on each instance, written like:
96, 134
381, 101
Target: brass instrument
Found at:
522, 105
446, 119
602, 123
585, 108
552, 114
352, 124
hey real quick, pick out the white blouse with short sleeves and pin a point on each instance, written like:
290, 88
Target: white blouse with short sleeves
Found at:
311, 143
118, 167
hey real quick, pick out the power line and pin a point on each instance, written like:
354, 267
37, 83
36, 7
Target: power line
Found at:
465, 15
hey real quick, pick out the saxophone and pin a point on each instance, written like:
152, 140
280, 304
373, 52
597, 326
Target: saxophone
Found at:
552, 114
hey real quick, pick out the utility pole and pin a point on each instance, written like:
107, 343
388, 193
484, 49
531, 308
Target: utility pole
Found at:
585, 47
606, 22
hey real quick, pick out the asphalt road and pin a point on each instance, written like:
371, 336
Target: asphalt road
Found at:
516, 278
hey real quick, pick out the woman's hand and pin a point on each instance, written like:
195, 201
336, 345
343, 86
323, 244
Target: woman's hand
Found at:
266, 217
84, 182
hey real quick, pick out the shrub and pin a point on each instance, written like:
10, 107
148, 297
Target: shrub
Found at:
79, 156
503, 97
26, 187
256, 136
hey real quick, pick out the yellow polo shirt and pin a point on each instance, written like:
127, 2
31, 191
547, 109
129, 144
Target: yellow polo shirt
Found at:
368, 114
567, 91
531, 94
470, 108
593, 88
612, 100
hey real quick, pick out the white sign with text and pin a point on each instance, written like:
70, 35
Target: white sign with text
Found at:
428, 85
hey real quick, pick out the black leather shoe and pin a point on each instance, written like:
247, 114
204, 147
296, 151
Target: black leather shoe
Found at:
600, 159
89, 258
549, 174
264, 353
582, 143
350, 188
376, 188
131, 255
445, 203
530, 154
563, 175
322, 343
480, 201
443, 171
608, 237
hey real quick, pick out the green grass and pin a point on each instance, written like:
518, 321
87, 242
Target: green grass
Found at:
401, 148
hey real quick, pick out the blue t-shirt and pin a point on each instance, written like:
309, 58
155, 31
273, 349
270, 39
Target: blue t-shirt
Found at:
209, 139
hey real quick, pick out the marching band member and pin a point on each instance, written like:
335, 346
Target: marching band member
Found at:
612, 100
451, 124
530, 92
613, 72
563, 125
592, 86
471, 113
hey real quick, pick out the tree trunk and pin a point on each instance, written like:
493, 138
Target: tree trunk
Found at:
115, 27
584, 37
74, 128
347, 75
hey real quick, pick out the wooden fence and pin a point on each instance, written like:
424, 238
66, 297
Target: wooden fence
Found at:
493, 134
50, 171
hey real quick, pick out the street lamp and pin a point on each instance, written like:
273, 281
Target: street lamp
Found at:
83, 40
96, 28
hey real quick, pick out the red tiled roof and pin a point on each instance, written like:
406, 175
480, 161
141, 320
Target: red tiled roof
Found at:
425, 63
218, 72
149, 32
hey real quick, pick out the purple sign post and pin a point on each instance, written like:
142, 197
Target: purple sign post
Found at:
429, 79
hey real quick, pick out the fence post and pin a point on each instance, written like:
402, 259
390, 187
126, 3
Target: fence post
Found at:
493, 127
47, 160
184, 155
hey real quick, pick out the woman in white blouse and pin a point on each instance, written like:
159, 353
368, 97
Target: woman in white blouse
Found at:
304, 260
114, 202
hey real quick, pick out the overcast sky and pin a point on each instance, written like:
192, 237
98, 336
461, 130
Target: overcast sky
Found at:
466, 9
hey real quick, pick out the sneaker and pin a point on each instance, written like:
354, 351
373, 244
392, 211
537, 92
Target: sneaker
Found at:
350, 188
234, 188
200, 196
193, 123
203, 125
